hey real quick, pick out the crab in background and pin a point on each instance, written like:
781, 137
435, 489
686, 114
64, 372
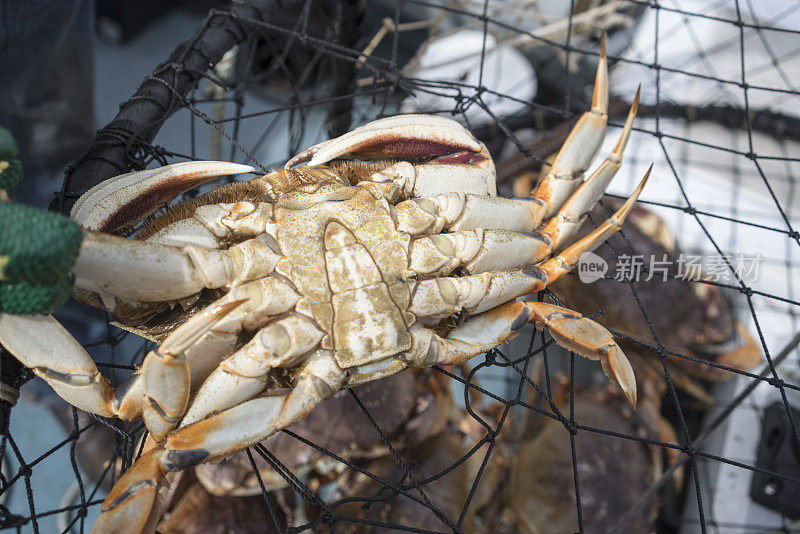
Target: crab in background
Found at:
317, 279
406, 407
441, 475
527, 486
197, 511
613, 472
447, 468
699, 321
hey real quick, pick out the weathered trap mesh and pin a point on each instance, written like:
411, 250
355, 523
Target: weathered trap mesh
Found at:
530, 442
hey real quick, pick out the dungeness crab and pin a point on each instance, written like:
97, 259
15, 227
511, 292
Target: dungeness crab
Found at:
317, 278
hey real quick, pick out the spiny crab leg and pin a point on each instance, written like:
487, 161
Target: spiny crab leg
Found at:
160, 389
580, 148
133, 497
116, 203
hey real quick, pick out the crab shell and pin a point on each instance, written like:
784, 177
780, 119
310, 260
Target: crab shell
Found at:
449, 468
699, 320
613, 471
199, 512
406, 407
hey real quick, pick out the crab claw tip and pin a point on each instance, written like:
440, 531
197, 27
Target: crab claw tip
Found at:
122, 201
623, 373
189, 332
602, 43
130, 505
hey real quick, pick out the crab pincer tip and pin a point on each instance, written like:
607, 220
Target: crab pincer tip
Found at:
623, 373
192, 330
602, 43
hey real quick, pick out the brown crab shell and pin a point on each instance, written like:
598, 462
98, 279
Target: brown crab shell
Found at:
447, 494
687, 316
613, 472
337, 425
199, 512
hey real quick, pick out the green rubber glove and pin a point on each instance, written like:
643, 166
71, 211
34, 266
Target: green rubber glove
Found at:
37, 248
37, 251
10, 167
27, 299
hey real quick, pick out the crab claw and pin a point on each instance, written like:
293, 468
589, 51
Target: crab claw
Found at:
590, 340
35, 340
129, 198
166, 372
131, 505
400, 137
435, 154
138, 270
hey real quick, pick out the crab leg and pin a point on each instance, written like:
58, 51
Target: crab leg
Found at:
130, 507
208, 336
320, 378
556, 267
167, 373
439, 297
457, 211
580, 148
476, 250
40, 343
572, 214
243, 375
127, 199
443, 175
492, 328
139, 270
133, 497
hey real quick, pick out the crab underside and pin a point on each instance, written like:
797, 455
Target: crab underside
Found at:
389, 249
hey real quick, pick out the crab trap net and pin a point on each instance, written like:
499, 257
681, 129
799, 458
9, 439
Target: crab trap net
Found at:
699, 288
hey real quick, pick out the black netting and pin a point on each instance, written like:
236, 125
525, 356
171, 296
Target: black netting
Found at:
527, 437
